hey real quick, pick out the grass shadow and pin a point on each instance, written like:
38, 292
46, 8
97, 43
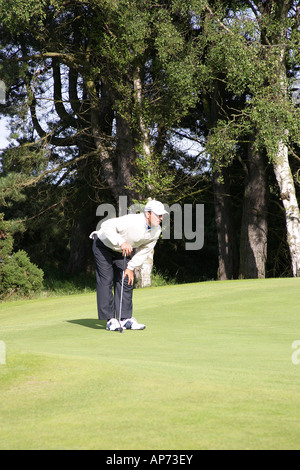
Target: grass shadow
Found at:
90, 323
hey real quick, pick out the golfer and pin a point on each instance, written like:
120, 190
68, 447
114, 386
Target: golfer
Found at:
123, 244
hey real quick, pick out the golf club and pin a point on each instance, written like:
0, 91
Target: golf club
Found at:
121, 297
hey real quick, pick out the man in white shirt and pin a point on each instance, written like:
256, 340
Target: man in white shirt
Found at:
123, 244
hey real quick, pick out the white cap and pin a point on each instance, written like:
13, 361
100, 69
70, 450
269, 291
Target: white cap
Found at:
156, 207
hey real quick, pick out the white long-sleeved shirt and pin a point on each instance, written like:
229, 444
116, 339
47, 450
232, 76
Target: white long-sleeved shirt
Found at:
133, 229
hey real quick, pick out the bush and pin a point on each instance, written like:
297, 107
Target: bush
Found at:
6, 239
19, 275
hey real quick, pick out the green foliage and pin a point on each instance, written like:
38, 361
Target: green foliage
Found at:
222, 144
20, 276
153, 177
10, 188
18, 14
17, 274
250, 58
21, 167
159, 279
6, 240
280, 118
26, 160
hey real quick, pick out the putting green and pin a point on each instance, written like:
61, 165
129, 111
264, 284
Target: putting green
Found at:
214, 369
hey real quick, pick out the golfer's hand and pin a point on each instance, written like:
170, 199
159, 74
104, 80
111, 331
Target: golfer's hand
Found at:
130, 275
126, 248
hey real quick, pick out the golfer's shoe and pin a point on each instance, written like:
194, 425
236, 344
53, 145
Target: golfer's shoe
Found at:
113, 325
132, 324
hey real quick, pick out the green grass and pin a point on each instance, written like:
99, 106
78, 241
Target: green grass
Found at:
212, 370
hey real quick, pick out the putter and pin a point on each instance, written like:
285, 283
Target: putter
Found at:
121, 297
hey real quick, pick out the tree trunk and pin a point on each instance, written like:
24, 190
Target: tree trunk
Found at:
254, 229
79, 249
286, 185
143, 274
228, 253
227, 244
285, 181
144, 131
125, 155
99, 140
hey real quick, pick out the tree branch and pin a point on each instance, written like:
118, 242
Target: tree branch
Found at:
68, 59
217, 19
58, 101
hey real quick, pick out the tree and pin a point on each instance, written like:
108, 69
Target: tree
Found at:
254, 225
108, 65
253, 47
97, 87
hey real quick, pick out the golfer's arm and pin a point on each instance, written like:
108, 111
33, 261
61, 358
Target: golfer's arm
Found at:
111, 230
141, 255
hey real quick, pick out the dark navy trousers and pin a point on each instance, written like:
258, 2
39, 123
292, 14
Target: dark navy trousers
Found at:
110, 265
